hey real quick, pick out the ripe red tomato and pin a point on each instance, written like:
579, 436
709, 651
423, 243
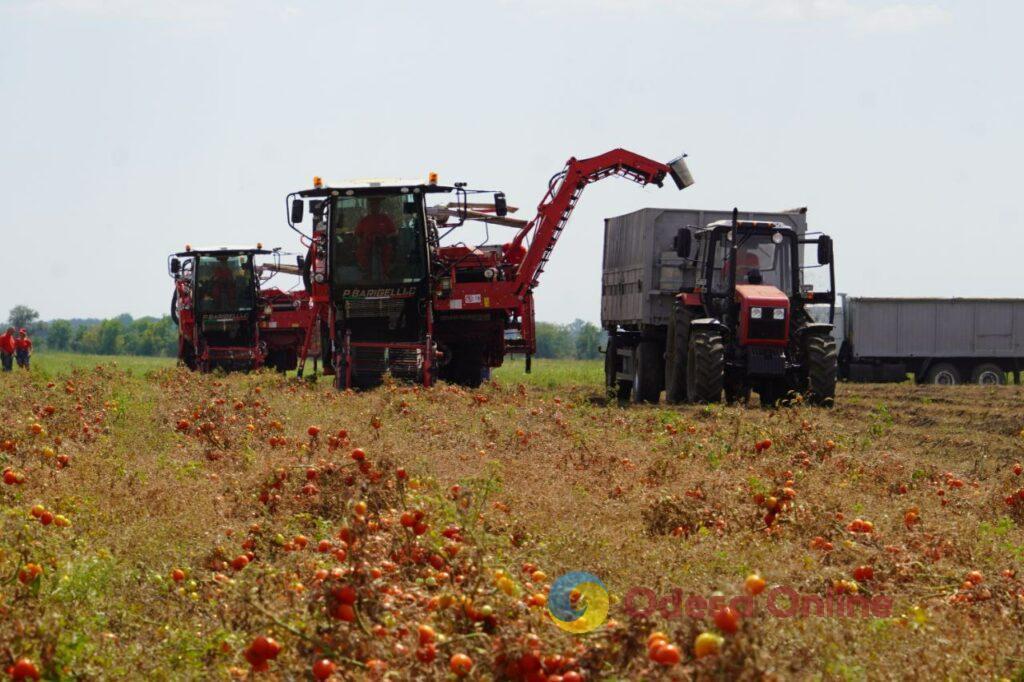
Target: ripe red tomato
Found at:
240, 562
460, 664
177, 575
24, 669
358, 455
727, 619
324, 668
426, 653
666, 654
426, 634
863, 573
313, 431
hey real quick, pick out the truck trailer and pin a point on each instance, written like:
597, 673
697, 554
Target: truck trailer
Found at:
944, 341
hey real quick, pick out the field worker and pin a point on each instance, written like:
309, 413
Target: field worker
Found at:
23, 349
375, 229
7, 348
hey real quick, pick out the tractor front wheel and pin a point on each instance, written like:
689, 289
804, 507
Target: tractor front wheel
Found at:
822, 368
705, 367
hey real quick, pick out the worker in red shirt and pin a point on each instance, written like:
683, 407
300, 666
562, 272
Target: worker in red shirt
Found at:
23, 349
7, 349
375, 230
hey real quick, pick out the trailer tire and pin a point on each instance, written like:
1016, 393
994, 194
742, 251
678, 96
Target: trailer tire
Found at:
705, 363
943, 374
822, 369
988, 374
647, 372
677, 341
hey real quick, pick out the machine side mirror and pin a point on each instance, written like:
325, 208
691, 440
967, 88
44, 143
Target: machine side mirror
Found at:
297, 207
824, 250
500, 205
301, 262
175, 266
681, 243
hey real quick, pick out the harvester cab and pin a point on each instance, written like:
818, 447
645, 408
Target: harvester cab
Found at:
743, 325
216, 307
368, 269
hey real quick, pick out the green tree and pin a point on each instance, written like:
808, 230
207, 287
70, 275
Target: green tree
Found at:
22, 316
554, 341
588, 341
109, 337
58, 336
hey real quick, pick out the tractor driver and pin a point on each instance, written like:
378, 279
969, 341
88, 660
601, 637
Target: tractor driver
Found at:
747, 268
374, 233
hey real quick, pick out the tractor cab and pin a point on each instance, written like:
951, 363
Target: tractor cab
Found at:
216, 306
743, 325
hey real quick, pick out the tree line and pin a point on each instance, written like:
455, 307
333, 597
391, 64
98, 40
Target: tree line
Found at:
121, 335
124, 335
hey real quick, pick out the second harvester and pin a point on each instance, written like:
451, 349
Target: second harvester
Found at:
394, 293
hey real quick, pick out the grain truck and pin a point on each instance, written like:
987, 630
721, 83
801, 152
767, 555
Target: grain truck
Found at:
699, 303
944, 341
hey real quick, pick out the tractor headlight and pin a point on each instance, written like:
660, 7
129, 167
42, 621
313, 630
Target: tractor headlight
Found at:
755, 313
319, 278
779, 314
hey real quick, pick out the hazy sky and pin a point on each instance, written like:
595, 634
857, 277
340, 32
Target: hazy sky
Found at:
128, 128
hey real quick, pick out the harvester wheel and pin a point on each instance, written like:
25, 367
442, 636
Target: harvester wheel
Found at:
822, 367
705, 367
647, 372
676, 350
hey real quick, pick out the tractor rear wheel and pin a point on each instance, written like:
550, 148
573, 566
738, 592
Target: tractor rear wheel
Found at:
677, 343
647, 372
705, 364
822, 368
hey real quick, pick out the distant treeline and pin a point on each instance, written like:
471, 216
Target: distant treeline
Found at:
578, 339
124, 335
121, 335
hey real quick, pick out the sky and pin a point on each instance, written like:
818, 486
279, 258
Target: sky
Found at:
129, 128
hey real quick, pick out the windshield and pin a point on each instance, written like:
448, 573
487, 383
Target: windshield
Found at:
757, 252
224, 283
377, 240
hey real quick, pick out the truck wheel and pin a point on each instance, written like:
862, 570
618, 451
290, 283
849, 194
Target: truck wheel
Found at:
822, 368
943, 374
676, 349
705, 362
988, 374
611, 363
647, 372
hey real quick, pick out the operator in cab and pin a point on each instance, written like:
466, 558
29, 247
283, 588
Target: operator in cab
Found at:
222, 284
375, 232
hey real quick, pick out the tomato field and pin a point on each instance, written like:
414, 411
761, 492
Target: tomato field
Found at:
162, 524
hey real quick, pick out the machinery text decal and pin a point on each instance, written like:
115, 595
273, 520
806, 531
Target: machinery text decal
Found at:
578, 602
389, 292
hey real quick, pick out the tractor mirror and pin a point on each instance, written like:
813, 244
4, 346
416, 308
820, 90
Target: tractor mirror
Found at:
500, 205
175, 266
297, 206
681, 243
824, 250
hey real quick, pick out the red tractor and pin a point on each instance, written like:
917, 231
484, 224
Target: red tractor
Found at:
390, 298
225, 320
743, 325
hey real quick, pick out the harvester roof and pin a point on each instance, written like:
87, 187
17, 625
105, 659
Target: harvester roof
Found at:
223, 250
